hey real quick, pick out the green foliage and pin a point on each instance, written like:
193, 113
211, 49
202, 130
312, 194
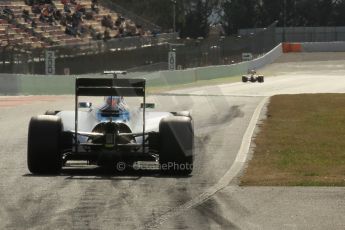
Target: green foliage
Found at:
260, 13
192, 16
239, 14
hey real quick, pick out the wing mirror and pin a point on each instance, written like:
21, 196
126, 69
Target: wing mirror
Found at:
147, 105
84, 105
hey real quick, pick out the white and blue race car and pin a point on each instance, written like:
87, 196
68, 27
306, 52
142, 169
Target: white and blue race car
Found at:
253, 77
111, 133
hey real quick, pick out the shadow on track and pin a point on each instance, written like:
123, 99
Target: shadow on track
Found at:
106, 173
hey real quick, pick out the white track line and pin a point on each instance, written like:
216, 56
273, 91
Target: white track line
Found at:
224, 181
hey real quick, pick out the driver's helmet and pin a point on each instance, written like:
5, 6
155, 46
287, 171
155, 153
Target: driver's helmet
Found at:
253, 72
112, 101
115, 103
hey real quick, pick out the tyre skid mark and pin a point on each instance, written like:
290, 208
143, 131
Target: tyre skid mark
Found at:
85, 215
224, 181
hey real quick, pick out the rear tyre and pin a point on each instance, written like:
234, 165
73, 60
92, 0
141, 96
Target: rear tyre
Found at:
183, 114
176, 149
51, 112
261, 79
44, 154
244, 79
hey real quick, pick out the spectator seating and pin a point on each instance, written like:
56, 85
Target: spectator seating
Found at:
38, 31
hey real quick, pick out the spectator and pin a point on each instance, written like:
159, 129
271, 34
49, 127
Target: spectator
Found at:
99, 36
93, 32
107, 22
50, 19
121, 32
51, 9
29, 2
69, 18
41, 18
83, 29
117, 35
26, 16
8, 12
63, 20
79, 15
70, 30
80, 8
67, 8
89, 15
45, 16
57, 15
76, 19
118, 22
36, 9
64, 2
33, 24
141, 30
104, 21
106, 35
94, 8
45, 12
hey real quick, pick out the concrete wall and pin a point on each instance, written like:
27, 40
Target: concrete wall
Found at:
323, 47
59, 84
211, 72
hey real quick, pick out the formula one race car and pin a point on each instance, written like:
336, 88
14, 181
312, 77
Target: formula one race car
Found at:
111, 133
252, 77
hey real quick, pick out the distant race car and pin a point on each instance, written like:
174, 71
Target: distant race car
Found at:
252, 77
111, 133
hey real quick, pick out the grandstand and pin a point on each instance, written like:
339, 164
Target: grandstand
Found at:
45, 23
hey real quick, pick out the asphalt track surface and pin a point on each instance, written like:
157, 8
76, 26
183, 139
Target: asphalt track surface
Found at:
85, 197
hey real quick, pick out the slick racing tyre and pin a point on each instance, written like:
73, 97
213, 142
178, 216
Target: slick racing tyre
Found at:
244, 79
260, 79
183, 114
44, 145
176, 151
51, 112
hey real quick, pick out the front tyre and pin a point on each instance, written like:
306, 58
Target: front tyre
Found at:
176, 148
44, 153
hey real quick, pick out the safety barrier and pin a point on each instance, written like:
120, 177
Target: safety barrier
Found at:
60, 84
292, 47
323, 47
211, 72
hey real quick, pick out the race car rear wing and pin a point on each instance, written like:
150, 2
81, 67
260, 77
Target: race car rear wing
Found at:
108, 87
